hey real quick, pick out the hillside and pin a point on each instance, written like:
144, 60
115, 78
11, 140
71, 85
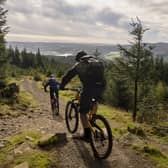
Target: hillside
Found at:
70, 49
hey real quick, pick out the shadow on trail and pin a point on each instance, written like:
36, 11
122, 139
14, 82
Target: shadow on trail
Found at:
59, 118
89, 160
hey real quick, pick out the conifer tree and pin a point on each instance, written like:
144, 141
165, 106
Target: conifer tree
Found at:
135, 63
16, 57
3, 31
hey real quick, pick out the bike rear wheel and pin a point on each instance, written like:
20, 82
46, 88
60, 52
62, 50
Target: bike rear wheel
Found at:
71, 117
101, 137
55, 108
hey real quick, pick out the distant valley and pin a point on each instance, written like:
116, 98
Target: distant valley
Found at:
70, 49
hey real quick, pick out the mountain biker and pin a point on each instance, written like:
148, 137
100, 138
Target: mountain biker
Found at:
54, 87
90, 71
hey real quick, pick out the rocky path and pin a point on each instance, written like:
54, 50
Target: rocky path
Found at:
74, 153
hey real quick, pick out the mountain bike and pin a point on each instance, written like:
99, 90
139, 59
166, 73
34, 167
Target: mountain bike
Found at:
55, 105
101, 134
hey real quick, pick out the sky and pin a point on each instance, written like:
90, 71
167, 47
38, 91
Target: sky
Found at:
85, 21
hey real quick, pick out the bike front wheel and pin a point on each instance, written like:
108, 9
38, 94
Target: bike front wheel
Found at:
101, 137
71, 117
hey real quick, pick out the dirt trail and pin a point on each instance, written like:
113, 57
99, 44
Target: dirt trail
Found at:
73, 154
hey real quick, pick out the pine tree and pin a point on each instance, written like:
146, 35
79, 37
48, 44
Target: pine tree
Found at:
24, 58
135, 63
96, 53
39, 59
16, 57
3, 31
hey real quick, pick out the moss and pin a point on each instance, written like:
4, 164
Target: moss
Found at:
48, 142
20, 138
35, 159
13, 141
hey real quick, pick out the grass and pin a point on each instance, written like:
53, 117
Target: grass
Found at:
40, 84
21, 101
119, 132
164, 140
35, 159
28, 137
26, 99
4, 108
4, 152
12, 80
21, 138
9, 113
153, 153
66, 94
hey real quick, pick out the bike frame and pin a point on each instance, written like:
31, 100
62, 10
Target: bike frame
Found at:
93, 108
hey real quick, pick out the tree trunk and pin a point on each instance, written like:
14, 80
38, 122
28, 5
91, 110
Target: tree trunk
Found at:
135, 100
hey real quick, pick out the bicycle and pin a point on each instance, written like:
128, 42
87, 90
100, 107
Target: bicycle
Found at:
55, 106
101, 134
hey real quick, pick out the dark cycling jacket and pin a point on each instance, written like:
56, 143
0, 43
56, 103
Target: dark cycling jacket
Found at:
86, 73
54, 85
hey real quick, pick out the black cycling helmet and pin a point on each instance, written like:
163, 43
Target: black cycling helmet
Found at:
79, 55
52, 76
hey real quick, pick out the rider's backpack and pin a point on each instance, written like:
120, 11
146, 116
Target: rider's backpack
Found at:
94, 71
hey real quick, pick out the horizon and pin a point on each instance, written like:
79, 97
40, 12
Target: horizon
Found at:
66, 42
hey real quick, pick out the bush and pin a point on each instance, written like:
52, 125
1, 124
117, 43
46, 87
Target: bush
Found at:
118, 94
9, 93
37, 77
161, 92
148, 109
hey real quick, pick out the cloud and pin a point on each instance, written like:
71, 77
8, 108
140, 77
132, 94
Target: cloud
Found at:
106, 21
59, 18
107, 16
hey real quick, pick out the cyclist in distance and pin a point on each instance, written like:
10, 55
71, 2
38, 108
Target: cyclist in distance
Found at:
90, 71
54, 87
